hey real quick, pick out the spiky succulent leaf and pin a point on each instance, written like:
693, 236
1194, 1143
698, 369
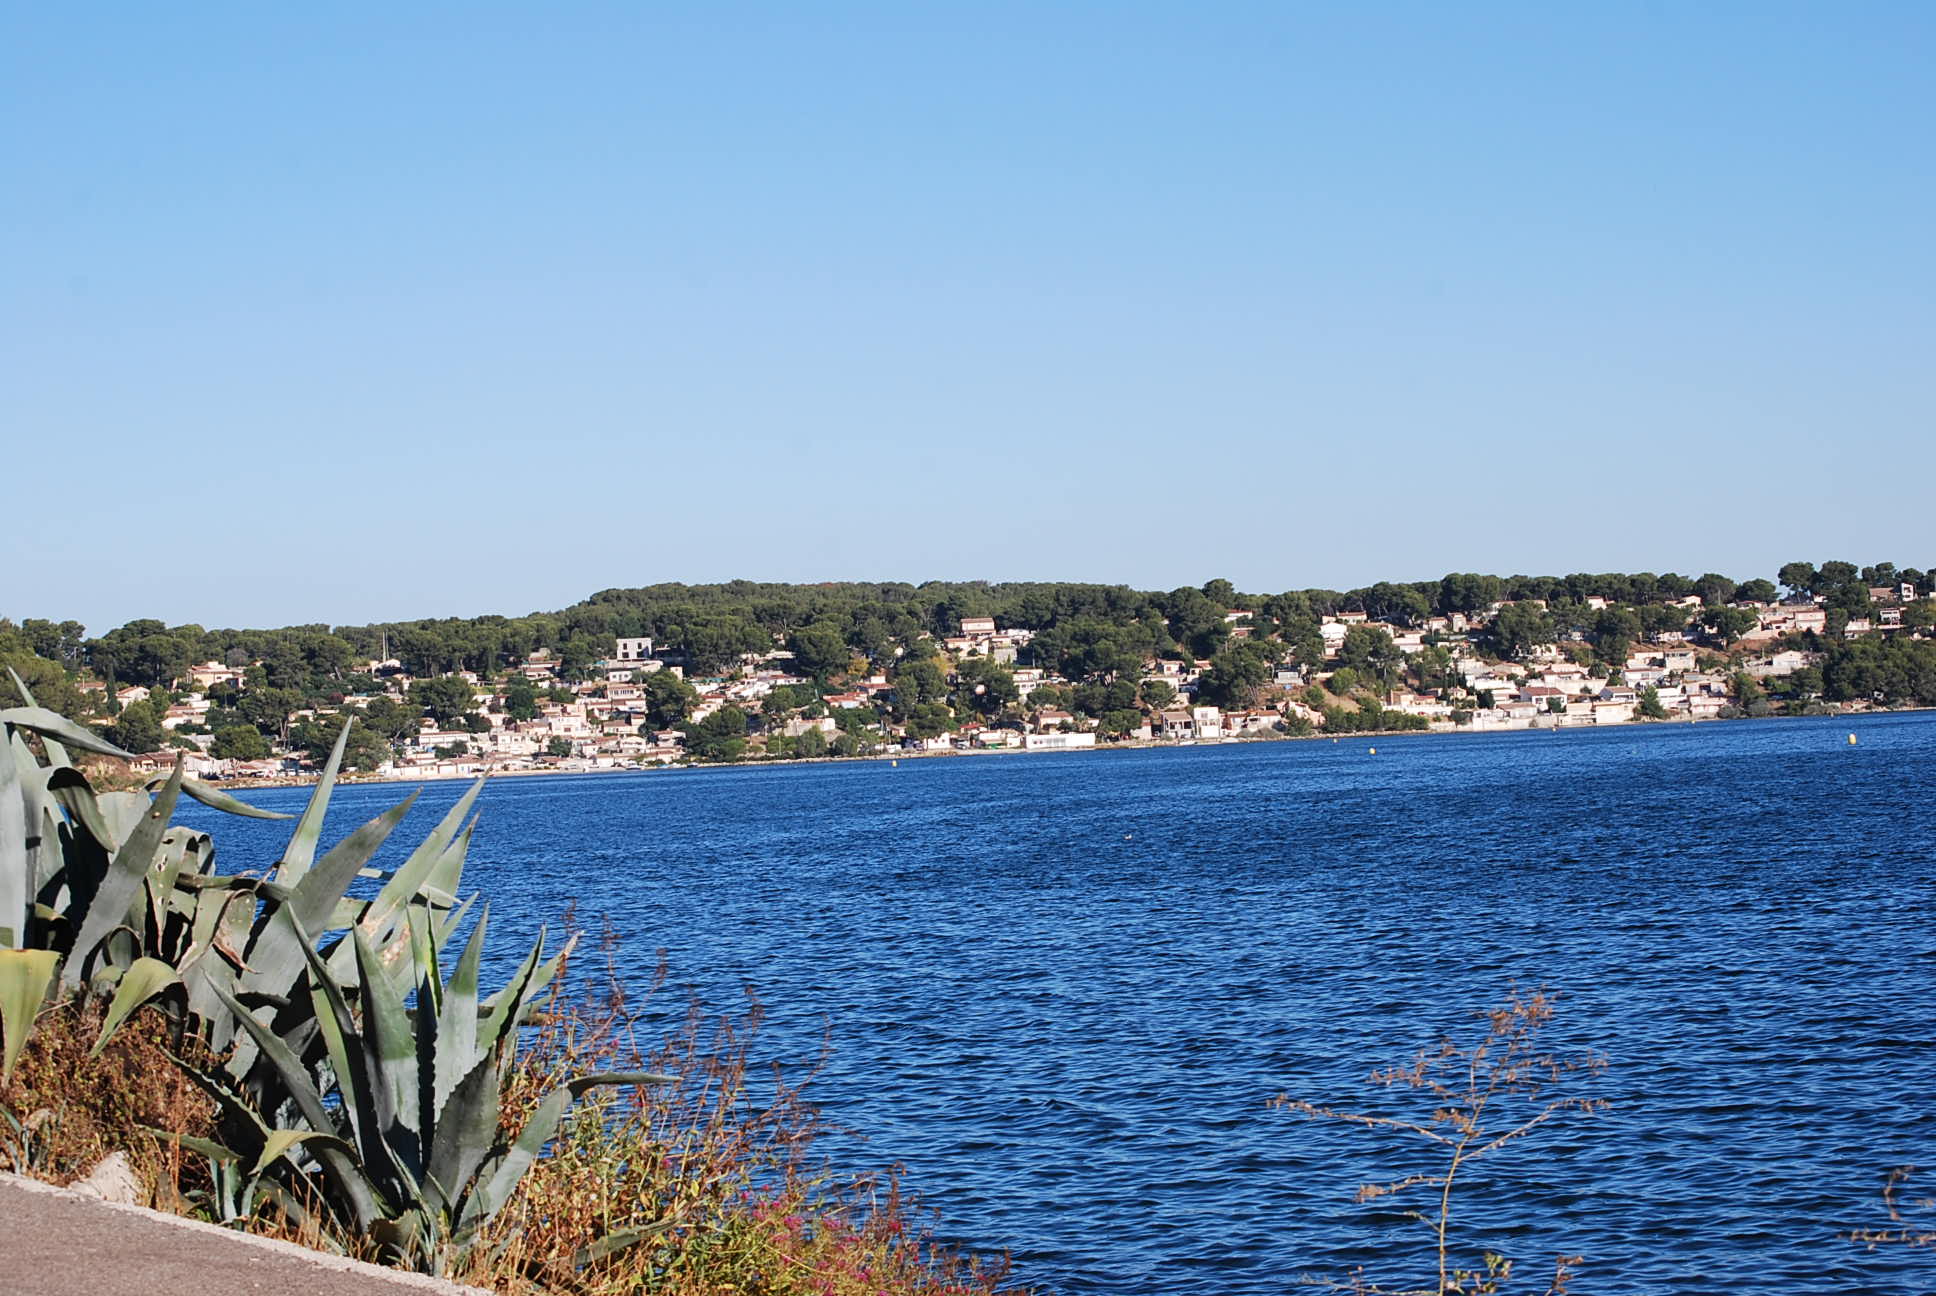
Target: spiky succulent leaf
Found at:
301, 850
417, 870
49, 724
275, 955
56, 754
389, 1040
457, 1018
216, 799
466, 1130
144, 979
25, 978
16, 860
111, 901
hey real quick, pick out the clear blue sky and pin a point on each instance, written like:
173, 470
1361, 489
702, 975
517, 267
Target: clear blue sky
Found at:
348, 312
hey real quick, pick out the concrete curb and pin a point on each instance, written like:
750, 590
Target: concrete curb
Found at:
55, 1241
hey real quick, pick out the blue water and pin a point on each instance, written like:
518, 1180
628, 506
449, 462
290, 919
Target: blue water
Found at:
1062, 987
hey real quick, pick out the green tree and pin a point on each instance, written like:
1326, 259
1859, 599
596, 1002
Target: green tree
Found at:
1158, 694
390, 719
820, 649
1757, 590
558, 747
1729, 623
929, 720
364, 751
721, 736
917, 681
1714, 589
1370, 651
45, 679
269, 709
1519, 628
137, 729
1235, 675
1801, 578
239, 742
668, 699
446, 699
520, 700
1649, 706
986, 686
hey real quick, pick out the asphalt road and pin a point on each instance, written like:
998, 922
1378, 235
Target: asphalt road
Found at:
58, 1243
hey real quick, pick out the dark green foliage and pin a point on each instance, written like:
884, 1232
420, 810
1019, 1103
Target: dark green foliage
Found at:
1892, 671
137, 728
1649, 707
446, 699
1369, 717
720, 736
239, 742
1236, 673
820, 649
365, 750
1519, 628
520, 700
985, 686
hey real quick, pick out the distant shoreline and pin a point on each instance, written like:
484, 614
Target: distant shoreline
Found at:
1369, 736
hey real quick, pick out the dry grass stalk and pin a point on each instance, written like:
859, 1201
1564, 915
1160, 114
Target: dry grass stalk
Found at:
714, 1178
1484, 1096
1902, 1231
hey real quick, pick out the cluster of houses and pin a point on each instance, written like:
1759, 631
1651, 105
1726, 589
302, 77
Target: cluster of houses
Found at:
604, 721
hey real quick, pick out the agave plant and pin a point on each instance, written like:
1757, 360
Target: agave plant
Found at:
396, 1132
100, 892
330, 1088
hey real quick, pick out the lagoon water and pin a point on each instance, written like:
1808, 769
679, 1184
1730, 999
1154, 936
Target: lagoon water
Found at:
1061, 988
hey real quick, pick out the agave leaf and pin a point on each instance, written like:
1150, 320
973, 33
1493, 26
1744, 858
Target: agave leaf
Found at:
583, 1084
56, 754
347, 1058
117, 890
457, 1020
27, 816
289, 1070
301, 850
207, 962
217, 799
16, 861
448, 877
274, 953
502, 1009
418, 869
51, 724
207, 1147
466, 1129
423, 955
346, 1174
158, 885
387, 1034
25, 978
353, 1065
144, 979
123, 813
282, 1141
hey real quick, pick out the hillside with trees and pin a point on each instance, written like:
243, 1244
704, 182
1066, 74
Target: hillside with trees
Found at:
846, 667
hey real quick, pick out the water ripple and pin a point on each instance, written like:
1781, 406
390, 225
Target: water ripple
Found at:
1061, 989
